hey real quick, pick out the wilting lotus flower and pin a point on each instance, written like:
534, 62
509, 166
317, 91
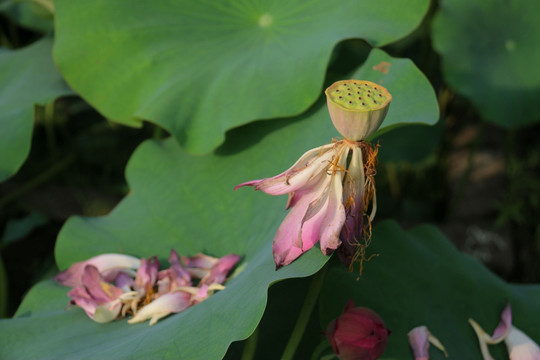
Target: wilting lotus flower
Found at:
148, 293
520, 346
331, 187
358, 334
419, 339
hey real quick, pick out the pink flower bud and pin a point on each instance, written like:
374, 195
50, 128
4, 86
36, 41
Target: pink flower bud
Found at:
358, 334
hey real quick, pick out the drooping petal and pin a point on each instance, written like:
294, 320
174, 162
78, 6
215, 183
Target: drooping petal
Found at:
219, 271
313, 218
335, 213
164, 305
286, 247
104, 263
308, 166
419, 340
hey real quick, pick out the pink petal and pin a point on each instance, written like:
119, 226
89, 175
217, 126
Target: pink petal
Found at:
173, 277
313, 218
80, 297
221, 268
504, 327
123, 281
147, 274
99, 290
104, 263
200, 260
418, 339
287, 246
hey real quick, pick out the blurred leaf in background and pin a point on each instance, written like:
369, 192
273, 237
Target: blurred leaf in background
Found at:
489, 52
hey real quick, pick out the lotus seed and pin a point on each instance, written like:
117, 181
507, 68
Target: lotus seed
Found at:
348, 101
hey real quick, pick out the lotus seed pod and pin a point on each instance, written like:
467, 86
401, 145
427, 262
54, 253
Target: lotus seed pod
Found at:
357, 107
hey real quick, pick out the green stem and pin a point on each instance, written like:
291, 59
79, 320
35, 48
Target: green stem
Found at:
3, 290
250, 346
305, 313
320, 350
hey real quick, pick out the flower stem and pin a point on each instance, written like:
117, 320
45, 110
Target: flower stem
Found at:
250, 345
305, 313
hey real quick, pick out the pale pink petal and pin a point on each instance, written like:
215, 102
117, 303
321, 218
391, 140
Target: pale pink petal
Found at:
335, 216
297, 176
313, 219
504, 326
104, 263
418, 340
521, 347
164, 305
219, 271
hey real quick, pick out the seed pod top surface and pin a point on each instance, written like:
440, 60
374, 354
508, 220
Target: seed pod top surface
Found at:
357, 107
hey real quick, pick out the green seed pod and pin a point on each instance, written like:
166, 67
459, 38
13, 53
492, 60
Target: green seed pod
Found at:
357, 107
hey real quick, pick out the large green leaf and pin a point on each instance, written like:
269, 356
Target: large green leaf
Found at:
186, 202
420, 278
490, 53
199, 68
27, 77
